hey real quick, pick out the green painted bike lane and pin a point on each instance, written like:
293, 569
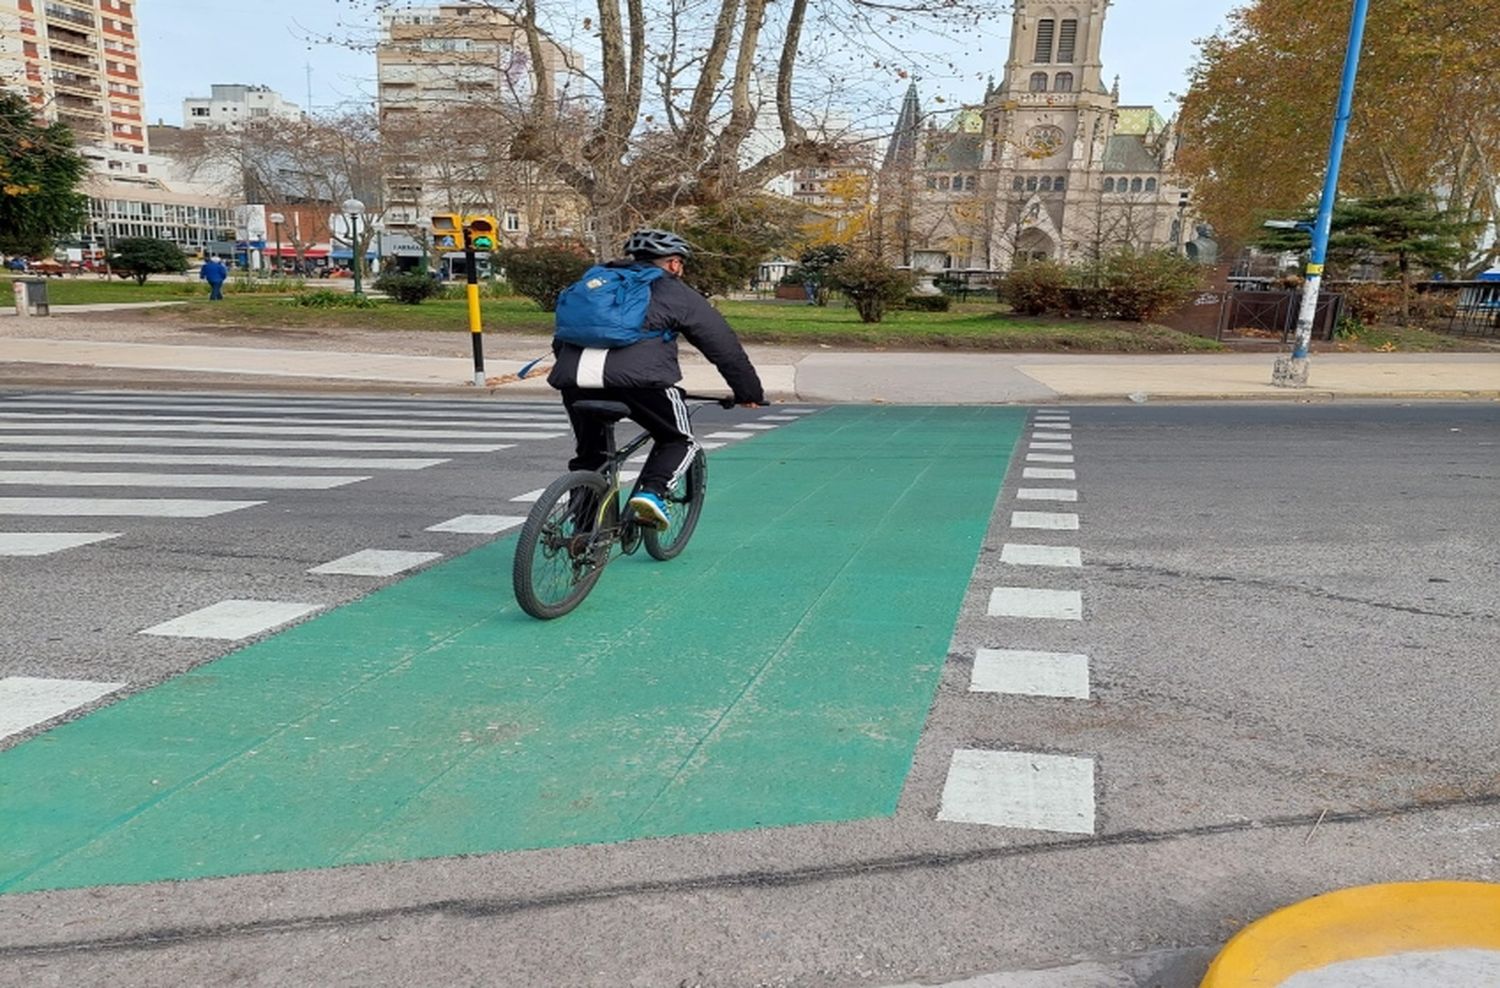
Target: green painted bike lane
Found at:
778, 673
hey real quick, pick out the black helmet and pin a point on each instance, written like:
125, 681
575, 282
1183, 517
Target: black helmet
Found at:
645, 245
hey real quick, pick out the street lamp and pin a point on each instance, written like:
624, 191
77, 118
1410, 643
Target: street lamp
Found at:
353, 208
276, 220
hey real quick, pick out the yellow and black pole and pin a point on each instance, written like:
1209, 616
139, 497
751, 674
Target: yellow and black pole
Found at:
476, 326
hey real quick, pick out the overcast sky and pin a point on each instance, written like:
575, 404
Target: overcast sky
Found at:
187, 44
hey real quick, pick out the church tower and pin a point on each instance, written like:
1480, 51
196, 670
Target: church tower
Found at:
1047, 125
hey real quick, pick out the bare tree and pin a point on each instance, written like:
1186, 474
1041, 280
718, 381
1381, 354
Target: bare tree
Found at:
686, 102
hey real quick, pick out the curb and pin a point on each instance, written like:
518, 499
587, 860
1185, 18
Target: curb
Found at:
1395, 934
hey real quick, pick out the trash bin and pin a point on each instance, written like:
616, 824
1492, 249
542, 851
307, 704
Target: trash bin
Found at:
31, 297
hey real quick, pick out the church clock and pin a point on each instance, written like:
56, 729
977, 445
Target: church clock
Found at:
1043, 141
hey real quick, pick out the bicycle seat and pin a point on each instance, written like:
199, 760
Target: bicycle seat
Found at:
609, 411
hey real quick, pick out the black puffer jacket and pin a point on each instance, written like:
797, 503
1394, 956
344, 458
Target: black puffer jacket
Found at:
652, 363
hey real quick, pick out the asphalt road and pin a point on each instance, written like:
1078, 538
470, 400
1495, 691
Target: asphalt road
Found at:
1288, 621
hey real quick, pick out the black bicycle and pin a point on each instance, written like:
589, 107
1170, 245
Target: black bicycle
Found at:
579, 520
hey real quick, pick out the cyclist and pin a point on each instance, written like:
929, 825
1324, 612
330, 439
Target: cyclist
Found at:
644, 375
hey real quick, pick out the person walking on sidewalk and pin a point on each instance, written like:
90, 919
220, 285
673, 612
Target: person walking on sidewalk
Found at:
639, 367
215, 273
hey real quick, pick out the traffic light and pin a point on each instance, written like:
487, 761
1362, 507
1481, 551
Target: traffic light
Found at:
447, 232
483, 232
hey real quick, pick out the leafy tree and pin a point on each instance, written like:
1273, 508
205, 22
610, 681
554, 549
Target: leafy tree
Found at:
39, 176
541, 273
1259, 110
1399, 231
141, 257
814, 265
870, 284
730, 240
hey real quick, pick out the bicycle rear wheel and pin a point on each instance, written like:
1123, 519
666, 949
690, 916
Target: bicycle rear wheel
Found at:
561, 550
685, 504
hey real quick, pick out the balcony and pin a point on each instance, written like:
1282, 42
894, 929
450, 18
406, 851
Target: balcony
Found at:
71, 60
56, 11
69, 82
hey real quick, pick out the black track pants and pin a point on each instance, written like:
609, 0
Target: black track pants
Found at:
660, 411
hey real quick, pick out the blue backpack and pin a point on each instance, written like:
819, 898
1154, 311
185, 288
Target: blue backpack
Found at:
607, 307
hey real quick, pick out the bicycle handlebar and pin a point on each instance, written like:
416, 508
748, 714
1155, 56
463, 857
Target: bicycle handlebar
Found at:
719, 400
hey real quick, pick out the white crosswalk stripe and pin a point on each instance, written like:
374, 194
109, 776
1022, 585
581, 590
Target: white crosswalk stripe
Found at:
124, 442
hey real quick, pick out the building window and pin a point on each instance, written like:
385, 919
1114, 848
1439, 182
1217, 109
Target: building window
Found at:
1150, 185
1066, 42
1039, 82
958, 181
943, 182
969, 183
200, 111
512, 221
1018, 184
1063, 83
1031, 184
1109, 185
1044, 31
1046, 183
1135, 185
1059, 184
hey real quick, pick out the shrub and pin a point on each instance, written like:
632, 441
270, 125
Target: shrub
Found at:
1371, 303
1035, 288
141, 257
407, 287
870, 284
1142, 285
327, 298
541, 273
925, 303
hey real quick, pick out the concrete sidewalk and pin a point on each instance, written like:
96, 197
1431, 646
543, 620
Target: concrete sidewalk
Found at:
30, 358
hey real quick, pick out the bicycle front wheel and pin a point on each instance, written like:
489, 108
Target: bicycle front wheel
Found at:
684, 504
561, 550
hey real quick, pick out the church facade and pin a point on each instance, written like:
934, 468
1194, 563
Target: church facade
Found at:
1049, 165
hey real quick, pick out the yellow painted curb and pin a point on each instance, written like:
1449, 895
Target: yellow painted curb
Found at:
1357, 923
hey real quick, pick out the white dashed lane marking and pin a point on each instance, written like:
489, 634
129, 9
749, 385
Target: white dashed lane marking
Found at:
1020, 789
1015, 554
1030, 602
1026, 673
26, 701
1048, 473
231, 620
375, 562
1046, 494
1061, 521
1049, 458
478, 524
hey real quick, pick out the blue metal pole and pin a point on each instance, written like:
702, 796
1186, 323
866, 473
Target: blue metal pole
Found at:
1295, 371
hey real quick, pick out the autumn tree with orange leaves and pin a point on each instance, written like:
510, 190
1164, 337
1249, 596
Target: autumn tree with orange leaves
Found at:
1258, 114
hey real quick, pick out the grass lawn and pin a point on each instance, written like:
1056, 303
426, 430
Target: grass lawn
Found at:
971, 326
89, 288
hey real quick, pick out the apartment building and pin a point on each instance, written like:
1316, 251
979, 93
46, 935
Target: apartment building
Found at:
230, 106
453, 81
77, 61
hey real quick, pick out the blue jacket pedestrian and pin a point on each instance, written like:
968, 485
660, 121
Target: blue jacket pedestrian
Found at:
215, 273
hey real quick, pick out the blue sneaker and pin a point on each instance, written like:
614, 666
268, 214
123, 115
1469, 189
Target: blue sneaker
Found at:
650, 510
